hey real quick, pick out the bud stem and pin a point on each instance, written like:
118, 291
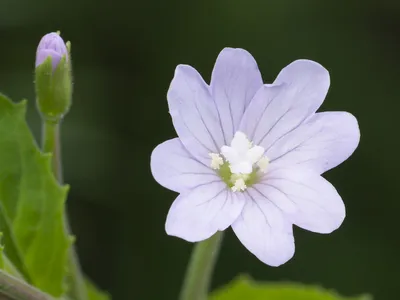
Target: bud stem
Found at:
201, 265
52, 144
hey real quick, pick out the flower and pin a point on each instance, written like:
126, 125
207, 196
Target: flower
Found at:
250, 155
51, 45
53, 77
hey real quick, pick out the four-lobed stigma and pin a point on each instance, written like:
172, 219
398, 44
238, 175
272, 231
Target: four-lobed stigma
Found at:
240, 163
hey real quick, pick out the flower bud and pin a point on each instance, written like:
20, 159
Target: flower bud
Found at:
51, 45
53, 77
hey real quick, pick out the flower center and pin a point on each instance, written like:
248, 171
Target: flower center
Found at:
239, 164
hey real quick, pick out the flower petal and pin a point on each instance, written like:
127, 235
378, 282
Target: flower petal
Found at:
205, 210
234, 82
323, 142
175, 168
277, 109
194, 113
263, 230
317, 205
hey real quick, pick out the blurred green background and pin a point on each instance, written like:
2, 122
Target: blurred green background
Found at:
124, 55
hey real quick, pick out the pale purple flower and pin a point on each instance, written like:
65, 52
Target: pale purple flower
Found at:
51, 45
250, 155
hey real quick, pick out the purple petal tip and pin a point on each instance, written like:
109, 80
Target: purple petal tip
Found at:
51, 45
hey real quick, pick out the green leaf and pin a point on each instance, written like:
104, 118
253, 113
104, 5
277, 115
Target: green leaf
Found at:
244, 288
1, 254
10, 268
94, 293
6, 264
31, 204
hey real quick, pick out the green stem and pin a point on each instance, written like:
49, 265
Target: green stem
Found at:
52, 144
200, 269
12, 288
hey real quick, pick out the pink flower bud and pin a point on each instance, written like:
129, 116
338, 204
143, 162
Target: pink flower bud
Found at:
51, 45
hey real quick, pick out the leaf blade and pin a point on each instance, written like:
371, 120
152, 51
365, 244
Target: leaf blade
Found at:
32, 204
245, 288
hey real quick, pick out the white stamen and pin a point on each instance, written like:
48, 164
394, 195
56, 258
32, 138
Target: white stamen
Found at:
236, 177
216, 161
240, 185
263, 164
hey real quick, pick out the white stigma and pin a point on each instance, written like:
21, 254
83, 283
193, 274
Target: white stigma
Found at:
241, 155
243, 158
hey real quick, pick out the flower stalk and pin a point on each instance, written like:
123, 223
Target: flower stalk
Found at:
52, 144
53, 80
201, 265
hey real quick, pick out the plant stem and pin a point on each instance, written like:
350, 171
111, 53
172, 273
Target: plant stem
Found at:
200, 269
12, 288
52, 143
